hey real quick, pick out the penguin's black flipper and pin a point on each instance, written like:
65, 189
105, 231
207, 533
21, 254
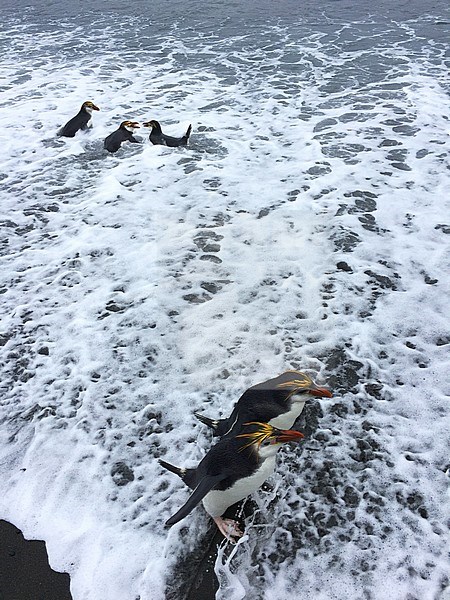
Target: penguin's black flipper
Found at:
205, 486
213, 423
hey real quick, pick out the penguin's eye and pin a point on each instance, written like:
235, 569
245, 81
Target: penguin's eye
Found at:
267, 442
301, 393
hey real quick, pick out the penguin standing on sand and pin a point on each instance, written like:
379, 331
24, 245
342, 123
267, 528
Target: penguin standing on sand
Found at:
278, 401
234, 468
79, 121
157, 137
124, 134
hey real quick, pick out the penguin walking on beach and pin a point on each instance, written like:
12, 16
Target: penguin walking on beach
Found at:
157, 137
79, 121
232, 469
278, 401
123, 134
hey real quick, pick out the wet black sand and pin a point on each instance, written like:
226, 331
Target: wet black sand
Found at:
24, 570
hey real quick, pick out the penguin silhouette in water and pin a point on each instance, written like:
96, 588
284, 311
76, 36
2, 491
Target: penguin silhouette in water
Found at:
278, 401
124, 134
79, 121
158, 138
234, 468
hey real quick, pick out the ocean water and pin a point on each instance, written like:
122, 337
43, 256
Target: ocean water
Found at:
306, 226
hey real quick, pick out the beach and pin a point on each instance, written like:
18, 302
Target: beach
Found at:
305, 226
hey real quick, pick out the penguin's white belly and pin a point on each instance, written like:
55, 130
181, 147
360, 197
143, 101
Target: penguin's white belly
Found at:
216, 502
286, 420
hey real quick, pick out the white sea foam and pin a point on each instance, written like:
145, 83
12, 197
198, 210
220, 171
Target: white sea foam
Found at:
306, 226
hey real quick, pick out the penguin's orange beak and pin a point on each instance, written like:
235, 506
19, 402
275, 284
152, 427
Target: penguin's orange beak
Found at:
287, 435
320, 392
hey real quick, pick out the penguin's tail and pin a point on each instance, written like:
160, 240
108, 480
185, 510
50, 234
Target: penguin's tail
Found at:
213, 423
173, 469
188, 133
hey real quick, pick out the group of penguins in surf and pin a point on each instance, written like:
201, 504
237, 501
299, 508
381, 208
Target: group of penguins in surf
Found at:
261, 420
124, 133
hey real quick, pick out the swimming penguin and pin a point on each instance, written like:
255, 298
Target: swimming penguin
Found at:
159, 138
124, 134
232, 469
79, 121
278, 401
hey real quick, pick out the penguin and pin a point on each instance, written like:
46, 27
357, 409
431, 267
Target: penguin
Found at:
157, 137
124, 134
278, 401
79, 121
232, 469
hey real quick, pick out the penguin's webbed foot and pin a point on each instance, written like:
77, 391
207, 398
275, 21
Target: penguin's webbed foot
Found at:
228, 528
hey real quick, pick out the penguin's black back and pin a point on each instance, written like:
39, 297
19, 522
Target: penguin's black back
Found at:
230, 459
114, 140
254, 405
79, 121
157, 137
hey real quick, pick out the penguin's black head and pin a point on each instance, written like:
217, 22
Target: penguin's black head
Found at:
153, 124
89, 106
264, 438
300, 384
129, 125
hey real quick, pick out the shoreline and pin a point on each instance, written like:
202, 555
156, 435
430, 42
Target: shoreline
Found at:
25, 573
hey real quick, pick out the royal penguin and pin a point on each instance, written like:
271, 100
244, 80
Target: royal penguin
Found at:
157, 137
123, 134
79, 121
278, 401
232, 469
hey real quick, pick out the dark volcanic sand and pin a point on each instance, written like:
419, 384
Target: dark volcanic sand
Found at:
24, 570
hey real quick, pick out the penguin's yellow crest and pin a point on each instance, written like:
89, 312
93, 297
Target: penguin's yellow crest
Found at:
264, 432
